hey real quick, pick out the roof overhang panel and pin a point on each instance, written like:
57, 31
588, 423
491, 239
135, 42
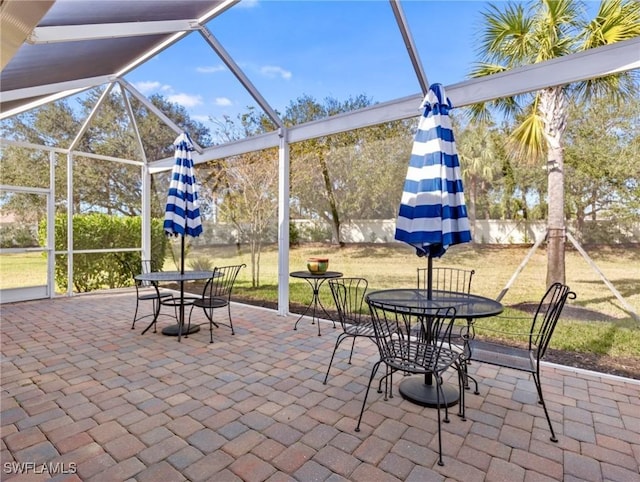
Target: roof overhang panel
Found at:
73, 60
55, 56
80, 12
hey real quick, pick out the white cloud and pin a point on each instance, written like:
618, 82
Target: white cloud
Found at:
210, 69
186, 100
200, 118
222, 102
273, 71
149, 86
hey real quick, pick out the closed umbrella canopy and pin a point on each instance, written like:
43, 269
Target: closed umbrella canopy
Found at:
433, 214
182, 214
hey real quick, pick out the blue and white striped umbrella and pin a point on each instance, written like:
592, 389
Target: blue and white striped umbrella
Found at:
433, 215
182, 214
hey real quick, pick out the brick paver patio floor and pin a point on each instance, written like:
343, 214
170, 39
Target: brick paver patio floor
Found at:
84, 397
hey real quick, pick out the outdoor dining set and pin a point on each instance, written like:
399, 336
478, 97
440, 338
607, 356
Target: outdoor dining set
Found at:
425, 331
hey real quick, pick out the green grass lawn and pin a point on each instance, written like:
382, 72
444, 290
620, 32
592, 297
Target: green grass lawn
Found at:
603, 326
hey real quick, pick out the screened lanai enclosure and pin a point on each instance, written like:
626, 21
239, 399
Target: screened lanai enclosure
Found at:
87, 141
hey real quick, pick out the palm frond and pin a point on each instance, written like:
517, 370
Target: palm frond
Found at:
616, 20
528, 142
556, 24
507, 38
617, 88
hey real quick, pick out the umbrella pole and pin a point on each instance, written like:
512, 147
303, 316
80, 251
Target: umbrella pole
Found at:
182, 255
181, 320
429, 277
428, 379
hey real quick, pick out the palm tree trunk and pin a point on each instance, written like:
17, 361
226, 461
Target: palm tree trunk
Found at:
553, 107
556, 225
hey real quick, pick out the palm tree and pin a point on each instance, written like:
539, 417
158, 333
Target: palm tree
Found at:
480, 162
514, 35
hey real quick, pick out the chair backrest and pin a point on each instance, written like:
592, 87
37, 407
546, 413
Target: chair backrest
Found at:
128, 267
447, 279
406, 337
221, 283
546, 317
348, 295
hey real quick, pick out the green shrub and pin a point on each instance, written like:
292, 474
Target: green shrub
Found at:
201, 263
318, 233
93, 271
294, 235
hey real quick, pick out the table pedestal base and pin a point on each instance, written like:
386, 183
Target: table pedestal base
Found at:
173, 330
417, 391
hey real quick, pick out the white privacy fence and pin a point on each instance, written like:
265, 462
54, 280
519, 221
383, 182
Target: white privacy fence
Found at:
488, 231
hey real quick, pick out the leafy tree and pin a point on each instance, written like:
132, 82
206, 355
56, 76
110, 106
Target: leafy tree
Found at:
352, 175
251, 201
243, 190
310, 159
480, 153
513, 35
603, 160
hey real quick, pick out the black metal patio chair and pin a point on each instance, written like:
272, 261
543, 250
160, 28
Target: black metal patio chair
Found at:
353, 313
403, 349
528, 359
217, 294
446, 279
146, 291
453, 280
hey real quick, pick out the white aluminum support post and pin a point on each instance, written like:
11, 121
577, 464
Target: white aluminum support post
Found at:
283, 224
146, 212
69, 224
51, 227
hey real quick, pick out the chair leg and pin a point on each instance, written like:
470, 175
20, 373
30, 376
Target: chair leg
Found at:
341, 337
135, 314
439, 381
468, 377
374, 370
438, 393
157, 306
353, 344
230, 322
536, 380
388, 392
188, 323
209, 316
461, 402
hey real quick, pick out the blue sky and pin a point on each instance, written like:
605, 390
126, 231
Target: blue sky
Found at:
319, 48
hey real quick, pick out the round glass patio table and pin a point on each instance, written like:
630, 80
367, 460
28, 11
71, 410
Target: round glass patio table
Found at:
417, 389
176, 276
